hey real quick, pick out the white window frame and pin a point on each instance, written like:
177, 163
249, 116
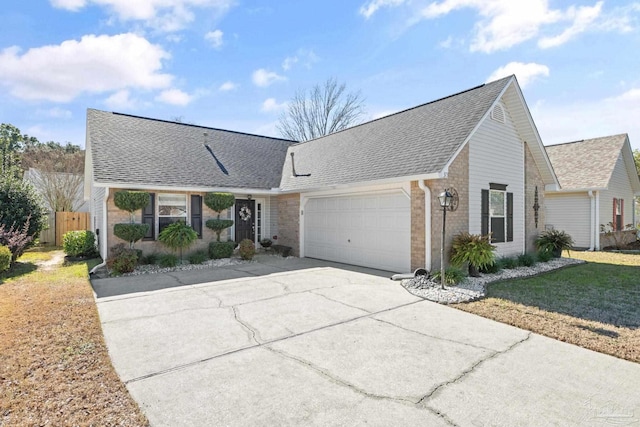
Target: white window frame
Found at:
186, 215
503, 216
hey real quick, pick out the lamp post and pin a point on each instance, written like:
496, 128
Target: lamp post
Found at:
445, 199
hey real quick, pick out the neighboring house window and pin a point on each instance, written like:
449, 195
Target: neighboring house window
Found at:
171, 208
618, 214
497, 213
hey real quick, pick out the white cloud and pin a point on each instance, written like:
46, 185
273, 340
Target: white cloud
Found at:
228, 86
270, 105
174, 97
264, 78
582, 18
215, 38
163, 15
95, 64
502, 24
525, 73
368, 9
302, 56
121, 100
589, 118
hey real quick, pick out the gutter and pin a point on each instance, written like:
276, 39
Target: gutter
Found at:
427, 224
104, 231
592, 221
597, 216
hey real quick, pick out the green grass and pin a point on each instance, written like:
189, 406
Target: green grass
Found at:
593, 305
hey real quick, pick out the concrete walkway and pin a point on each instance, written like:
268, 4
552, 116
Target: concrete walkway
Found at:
290, 342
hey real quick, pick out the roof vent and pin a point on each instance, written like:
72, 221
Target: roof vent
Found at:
497, 113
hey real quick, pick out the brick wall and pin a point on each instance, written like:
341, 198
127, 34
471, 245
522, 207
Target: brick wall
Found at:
457, 221
532, 179
417, 226
289, 221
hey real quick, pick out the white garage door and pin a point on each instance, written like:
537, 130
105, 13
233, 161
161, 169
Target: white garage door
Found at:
372, 230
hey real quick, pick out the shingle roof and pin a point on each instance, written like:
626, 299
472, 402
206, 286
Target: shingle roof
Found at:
417, 141
140, 151
586, 164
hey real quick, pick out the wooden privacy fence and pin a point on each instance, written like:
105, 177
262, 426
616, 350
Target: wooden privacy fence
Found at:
70, 221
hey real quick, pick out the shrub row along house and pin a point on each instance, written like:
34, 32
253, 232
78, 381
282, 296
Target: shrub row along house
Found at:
366, 195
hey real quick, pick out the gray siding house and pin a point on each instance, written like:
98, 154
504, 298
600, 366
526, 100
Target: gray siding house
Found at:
599, 184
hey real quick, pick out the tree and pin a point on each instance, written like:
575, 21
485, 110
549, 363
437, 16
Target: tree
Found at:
322, 111
21, 208
12, 144
636, 158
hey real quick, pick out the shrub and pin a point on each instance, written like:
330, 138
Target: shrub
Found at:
219, 250
452, 276
218, 202
21, 208
266, 243
474, 249
508, 263
149, 259
131, 201
554, 241
130, 232
168, 260
5, 258
526, 260
16, 239
79, 243
491, 268
198, 257
178, 236
247, 249
123, 260
285, 251
544, 256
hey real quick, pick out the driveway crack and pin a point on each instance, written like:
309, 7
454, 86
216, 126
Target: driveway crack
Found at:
468, 371
339, 302
254, 334
337, 380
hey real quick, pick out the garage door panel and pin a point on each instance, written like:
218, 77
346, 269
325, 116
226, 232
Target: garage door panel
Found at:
371, 230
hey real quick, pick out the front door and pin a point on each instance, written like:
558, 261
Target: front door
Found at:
245, 219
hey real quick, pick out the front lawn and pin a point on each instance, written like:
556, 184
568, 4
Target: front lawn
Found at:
54, 365
594, 305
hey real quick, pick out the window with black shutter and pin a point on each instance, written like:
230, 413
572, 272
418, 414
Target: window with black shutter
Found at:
497, 213
148, 217
196, 214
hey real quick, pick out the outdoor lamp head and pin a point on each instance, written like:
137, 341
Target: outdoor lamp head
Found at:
445, 199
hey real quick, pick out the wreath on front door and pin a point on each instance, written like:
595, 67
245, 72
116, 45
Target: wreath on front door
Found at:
245, 213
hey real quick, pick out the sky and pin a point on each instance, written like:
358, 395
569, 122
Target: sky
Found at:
234, 64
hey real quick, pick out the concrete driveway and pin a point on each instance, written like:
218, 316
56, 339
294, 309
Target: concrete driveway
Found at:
289, 342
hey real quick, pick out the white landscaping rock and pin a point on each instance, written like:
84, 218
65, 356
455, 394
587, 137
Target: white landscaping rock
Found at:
473, 288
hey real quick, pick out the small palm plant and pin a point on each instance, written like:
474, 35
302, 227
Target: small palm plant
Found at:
474, 249
178, 236
554, 242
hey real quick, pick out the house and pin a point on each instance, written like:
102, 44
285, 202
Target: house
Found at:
366, 195
599, 183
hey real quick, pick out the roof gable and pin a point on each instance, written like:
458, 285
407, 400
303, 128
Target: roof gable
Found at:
589, 163
136, 151
418, 143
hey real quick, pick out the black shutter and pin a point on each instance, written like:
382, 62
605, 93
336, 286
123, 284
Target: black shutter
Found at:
509, 217
196, 214
148, 217
484, 229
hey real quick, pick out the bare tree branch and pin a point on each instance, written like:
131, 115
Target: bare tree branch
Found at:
324, 110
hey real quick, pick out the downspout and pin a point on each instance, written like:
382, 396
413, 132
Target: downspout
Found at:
597, 245
427, 224
592, 221
103, 241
